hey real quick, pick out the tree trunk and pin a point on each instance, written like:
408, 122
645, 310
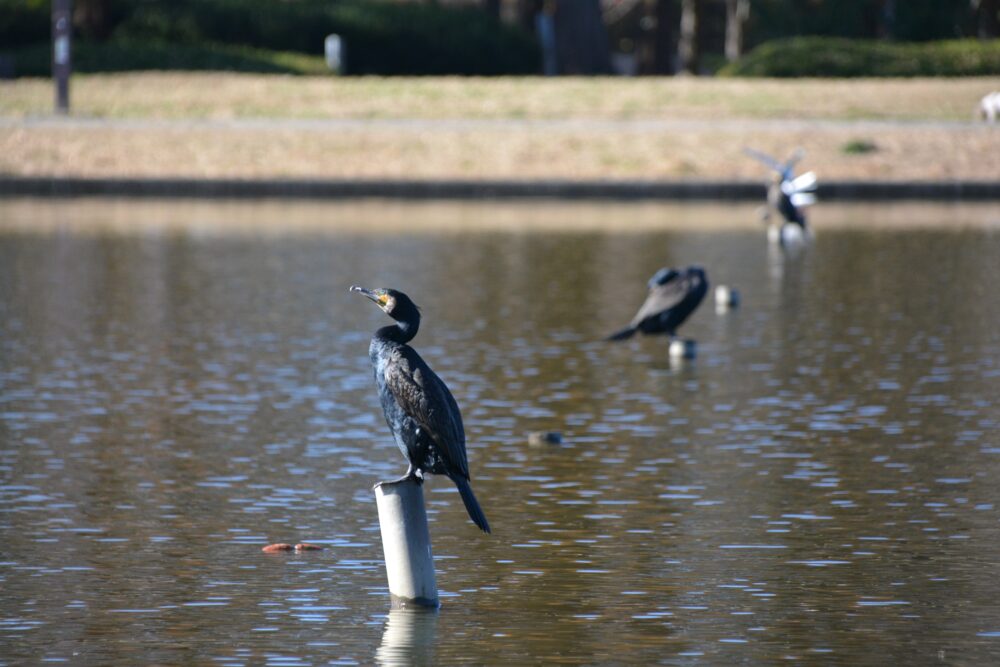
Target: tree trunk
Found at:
665, 38
492, 8
526, 11
737, 12
687, 49
885, 20
988, 18
93, 18
581, 39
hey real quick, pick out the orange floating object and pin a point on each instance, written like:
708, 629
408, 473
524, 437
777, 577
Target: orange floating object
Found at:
275, 548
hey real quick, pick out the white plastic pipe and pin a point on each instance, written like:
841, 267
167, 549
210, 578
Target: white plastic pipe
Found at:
406, 543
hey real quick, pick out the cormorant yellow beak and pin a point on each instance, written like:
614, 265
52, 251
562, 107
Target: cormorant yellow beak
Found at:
378, 296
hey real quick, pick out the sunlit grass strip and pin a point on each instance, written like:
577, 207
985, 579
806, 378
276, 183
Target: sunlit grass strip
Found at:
233, 95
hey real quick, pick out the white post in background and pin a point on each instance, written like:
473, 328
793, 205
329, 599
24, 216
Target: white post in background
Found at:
406, 543
333, 48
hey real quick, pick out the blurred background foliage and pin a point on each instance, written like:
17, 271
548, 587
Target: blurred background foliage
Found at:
491, 37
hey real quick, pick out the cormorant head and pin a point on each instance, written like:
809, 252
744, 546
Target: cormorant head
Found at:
394, 303
662, 277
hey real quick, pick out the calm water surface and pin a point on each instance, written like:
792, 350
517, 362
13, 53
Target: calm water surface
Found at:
819, 486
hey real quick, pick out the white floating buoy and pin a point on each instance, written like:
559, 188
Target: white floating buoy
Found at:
726, 297
683, 349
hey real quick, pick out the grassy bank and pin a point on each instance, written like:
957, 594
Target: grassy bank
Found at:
193, 95
621, 148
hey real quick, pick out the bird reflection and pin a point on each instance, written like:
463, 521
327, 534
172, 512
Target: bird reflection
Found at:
409, 638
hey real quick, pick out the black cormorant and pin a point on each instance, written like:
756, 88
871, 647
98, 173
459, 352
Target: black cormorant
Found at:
419, 409
788, 195
673, 296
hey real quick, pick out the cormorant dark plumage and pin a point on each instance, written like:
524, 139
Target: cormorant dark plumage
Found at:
673, 296
420, 411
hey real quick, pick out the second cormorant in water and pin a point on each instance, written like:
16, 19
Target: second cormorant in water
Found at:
673, 296
419, 409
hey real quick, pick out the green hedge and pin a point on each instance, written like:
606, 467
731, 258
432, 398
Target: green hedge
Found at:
128, 55
380, 37
835, 57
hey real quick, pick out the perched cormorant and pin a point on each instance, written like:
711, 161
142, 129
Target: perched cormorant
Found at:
788, 195
673, 296
419, 409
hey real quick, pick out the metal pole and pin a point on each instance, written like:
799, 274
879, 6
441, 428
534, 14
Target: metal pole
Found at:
406, 543
62, 62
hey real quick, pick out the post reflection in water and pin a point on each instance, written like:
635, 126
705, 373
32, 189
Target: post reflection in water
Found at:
181, 384
409, 638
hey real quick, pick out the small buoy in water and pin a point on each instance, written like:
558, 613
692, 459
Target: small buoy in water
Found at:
726, 297
539, 438
683, 349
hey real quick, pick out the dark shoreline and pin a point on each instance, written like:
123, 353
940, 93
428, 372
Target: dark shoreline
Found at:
22, 186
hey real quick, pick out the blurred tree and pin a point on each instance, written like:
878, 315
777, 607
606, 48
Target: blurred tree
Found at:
987, 18
581, 38
94, 19
658, 47
885, 19
687, 47
526, 10
492, 8
909, 20
737, 12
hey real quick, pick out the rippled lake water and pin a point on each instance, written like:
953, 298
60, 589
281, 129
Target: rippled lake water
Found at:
181, 384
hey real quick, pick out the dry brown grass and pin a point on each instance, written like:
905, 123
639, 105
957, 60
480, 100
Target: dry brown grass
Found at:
514, 153
222, 96
520, 145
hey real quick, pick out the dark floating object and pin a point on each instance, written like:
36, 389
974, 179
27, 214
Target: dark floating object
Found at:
788, 195
419, 409
673, 296
539, 438
726, 297
281, 547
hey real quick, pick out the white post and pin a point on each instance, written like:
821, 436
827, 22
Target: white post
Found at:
333, 47
406, 543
